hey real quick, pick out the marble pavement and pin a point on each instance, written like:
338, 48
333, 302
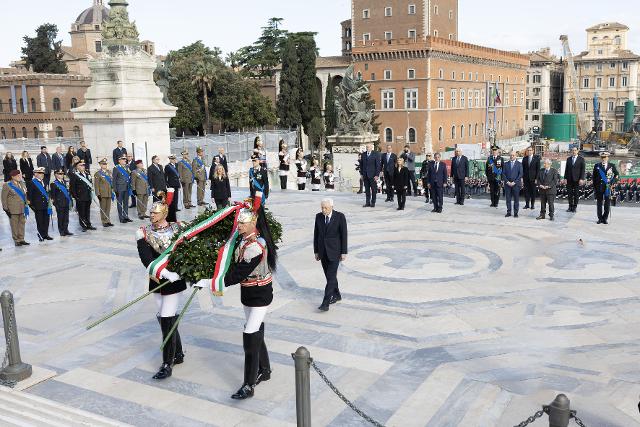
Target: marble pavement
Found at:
459, 319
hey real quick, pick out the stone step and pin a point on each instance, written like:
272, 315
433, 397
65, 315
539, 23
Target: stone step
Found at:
23, 409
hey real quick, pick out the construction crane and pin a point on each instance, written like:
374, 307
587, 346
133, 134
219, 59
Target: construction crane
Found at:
583, 126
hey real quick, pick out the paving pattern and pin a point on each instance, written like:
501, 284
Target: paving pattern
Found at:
465, 318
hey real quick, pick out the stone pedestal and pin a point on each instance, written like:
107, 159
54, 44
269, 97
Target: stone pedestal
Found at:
124, 103
346, 150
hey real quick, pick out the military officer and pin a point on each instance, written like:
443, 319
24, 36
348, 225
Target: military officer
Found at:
81, 189
187, 177
258, 178
104, 191
39, 201
61, 199
16, 206
605, 176
200, 174
122, 187
493, 170
172, 179
140, 184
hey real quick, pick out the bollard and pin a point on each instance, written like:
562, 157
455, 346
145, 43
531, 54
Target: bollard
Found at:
559, 411
303, 361
15, 370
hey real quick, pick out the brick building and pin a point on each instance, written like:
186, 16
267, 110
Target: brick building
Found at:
39, 105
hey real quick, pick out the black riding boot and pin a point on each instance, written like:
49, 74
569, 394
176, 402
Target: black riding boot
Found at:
169, 351
179, 353
264, 370
251, 344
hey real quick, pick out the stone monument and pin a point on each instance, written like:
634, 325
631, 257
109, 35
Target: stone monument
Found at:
354, 126
123, 102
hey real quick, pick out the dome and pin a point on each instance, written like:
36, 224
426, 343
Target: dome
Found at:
96, 14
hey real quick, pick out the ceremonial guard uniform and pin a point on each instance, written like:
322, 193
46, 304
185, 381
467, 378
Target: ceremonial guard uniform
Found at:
605, 175
104, 191
255, 260
39, 201
140, 184
61, 199
316, 177
200, 174
186, 179
122, 187
493, 170
172, 179
81, 189
258, 179
329, 179
15, 205
301, 173
152, 241
283, 169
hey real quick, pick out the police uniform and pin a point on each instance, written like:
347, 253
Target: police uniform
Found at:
258, 178
493, 170
172, 179
61, 199
186, 180
122, 186
103, 182
605, 175
39, 201
200, 174
81, 189
153, 241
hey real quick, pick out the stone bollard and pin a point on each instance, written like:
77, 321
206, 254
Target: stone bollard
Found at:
303, 361
15, 370
559, 411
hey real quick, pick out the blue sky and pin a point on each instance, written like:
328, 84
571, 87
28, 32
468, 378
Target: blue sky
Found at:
503, 24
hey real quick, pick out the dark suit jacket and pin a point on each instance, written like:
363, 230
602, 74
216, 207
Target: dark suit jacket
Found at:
330, 241
220, 188
58, 162
370, 166
26, 167
388, 167
549, 179
44, 161
439, 177
117, 153
575, 172
79, 190
85, 156
530, 170
599, 185
400, 179
512, 174
172, 177
460, 170
37, 200
223, 161
156, 178
58, 198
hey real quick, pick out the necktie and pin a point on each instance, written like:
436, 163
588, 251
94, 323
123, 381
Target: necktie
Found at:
326, 220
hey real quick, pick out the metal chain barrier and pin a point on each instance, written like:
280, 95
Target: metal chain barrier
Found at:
531, 419
578, 420
5, 361
344, 399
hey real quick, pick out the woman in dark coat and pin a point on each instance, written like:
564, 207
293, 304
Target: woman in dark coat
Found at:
9, 165
400, 180
220, 188
68, 158
26, 166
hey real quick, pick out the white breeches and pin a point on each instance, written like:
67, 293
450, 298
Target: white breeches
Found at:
167, 304
254, 316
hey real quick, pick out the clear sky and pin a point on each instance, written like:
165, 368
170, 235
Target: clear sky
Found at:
522, 25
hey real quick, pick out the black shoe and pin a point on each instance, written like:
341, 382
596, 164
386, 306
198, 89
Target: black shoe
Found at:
570, 210
373, 205
48, 238
604, 221
426, 200
84, 230
532, 207
507, 215
540, 217
129, 220
359, 192
106, 225
399, 209
163, 372
110, 225
245, 392
599, 221
179, 359
141, 218
515, 215
366, 206
91, 227
263, 376
122, 221
526, 206
40, 239
324, 307
434, 210
550, 217
439, 210
68, 234
334, 299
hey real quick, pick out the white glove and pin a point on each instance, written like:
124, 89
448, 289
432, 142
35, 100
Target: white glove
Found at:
170, 275
204, 283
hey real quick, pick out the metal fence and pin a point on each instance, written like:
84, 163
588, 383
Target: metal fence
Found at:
32, 145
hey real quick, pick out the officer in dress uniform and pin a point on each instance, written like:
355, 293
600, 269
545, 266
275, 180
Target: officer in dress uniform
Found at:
152, 240
81, 189
16, 205
104, 191
283, 168
172, 179
258, 178
61, 199
200, 175
122, 186
605, 176
424, 175
493, 170
140, 184
39, 201
187, 178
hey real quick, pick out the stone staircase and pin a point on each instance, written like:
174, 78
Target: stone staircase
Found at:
22, 409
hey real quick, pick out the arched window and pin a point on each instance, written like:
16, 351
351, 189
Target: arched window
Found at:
440, 133
33, 105
469, 129
36, 134
76, 131
56, 104
462, 131
59, 132
453, 132
24, 133
3, 134
412, 135
441, 74
13, 133
475, 130
74, 103
388, 135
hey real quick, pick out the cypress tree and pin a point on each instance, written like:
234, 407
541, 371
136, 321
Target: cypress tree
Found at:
330, 113
288, 103
309, 97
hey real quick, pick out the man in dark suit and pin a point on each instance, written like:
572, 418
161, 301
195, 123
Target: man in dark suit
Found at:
512, 177
157, 181
460, 174
424, 175
84, 154
43, 160
437, 179
370, 168
388, 167
131, 166
574, 174
57, 160
172, 179
547, 183
330, 247
222, 159
605, 175
118, 152
530, 169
